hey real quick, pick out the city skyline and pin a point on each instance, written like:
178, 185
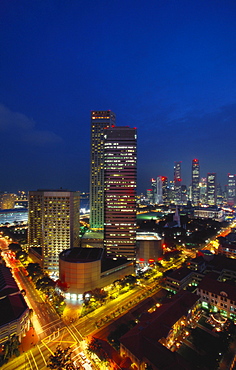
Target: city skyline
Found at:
166, 68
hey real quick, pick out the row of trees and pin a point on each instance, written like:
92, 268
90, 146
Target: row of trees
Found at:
46, 285
61, 359
20, 254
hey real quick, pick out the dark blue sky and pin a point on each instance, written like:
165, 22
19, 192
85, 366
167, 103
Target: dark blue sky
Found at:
167, 67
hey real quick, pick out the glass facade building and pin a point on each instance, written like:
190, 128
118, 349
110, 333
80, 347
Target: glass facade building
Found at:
99, 121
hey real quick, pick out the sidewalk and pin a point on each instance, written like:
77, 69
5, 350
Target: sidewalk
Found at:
29, 341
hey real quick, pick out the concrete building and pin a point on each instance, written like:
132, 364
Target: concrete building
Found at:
227, 245
218, 294
99, 121
84, 269
149, 247
214, 213
53, 224
120, 167
178, 279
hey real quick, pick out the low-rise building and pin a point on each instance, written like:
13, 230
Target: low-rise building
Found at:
219, 295
149, 246
15, 314
227, 245
154, 340
214, 213
178, 279
84, 269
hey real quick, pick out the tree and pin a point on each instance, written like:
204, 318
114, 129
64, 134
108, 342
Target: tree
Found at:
21, 255
11, 347
61, 359
46, 284
35, 271
15, 247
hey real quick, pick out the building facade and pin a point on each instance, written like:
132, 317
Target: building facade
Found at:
231, 189
177, 183
84, 269
211, 189
195, 182
120, 163
53, 224
99, 121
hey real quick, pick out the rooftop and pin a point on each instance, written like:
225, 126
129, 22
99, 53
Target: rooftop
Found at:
142, 340
81, 255
210, 284
12, 307
7, 283
180, 273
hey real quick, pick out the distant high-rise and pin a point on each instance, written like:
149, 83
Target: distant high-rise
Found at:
211, 189
195, 182
162, 183
99, 121
177, 183
53, 224
154, 190
120, 163
231, 189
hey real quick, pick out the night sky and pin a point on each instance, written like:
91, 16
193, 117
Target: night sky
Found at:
166, 67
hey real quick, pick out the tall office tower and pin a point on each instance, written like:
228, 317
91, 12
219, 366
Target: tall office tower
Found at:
162, 191
120, 192
231, 189
211, 189
99, 121
195, 182
154, 190
177, 183
165, 189
184, 194
203, 190
159, 198
149, 196
53, 224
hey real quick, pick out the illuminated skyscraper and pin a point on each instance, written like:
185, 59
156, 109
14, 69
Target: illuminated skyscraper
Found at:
120, 164
162, 183
177, 183
231, 189
211, 189
195, 182
154, 191
53, 224
99, 121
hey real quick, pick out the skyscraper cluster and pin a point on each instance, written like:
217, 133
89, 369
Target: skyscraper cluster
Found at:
202, 191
